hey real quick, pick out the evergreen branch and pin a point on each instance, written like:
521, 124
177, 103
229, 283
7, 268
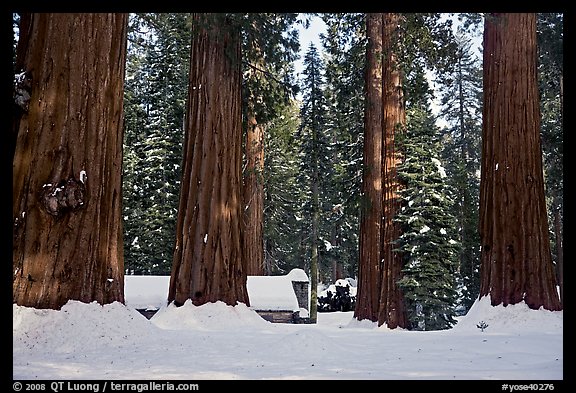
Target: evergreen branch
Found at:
287, 86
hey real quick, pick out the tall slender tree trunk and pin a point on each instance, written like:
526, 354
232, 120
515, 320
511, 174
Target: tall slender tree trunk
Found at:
208, 260
254, 196
516, 262
67, 166
391, 309
314, 264
371, 213
463, 183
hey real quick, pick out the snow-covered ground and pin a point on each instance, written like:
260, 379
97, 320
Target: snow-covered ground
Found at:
217, 341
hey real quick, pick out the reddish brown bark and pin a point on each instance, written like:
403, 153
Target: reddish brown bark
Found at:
391, 305
208, 264
254, 197
380, 267
67, 228
516, 262
371, 214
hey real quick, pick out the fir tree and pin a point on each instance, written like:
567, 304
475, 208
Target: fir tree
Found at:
429, 240
316, 157
429, 229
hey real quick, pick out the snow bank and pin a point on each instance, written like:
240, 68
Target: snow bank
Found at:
363, 324
210, 316
511, 318
77, 327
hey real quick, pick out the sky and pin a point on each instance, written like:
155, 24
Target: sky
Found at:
220, 342
307, 36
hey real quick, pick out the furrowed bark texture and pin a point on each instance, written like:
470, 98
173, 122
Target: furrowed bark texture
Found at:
67, 166
208, 265
391, 310
371, 214
380, 267
254, 197
516, 262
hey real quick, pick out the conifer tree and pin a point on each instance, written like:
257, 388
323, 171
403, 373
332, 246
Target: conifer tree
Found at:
551, 85
67, 179
268, 48
316, 157
208, 263
428, 227
212, 243
395, 42
370, 252
461, 102
516, 263
284, 195
155, 95
344, 48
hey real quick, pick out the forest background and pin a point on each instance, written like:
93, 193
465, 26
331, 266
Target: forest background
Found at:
156, 88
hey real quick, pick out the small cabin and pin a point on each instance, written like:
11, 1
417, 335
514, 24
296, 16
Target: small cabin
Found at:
280, 299
146, 294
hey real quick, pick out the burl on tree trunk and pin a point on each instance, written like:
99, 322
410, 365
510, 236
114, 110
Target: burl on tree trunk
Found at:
67, 166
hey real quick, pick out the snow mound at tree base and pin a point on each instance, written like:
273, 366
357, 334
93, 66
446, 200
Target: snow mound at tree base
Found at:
77, 326
210, 316
510, 318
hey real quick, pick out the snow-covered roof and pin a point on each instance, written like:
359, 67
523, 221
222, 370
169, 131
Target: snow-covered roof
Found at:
271, 293
146, 291
264, 292
297, 275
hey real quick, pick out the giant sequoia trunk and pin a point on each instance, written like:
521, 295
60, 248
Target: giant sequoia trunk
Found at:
208, 264
516, 262
391, 310
254, 196
380, 267
67, 231
371, 213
